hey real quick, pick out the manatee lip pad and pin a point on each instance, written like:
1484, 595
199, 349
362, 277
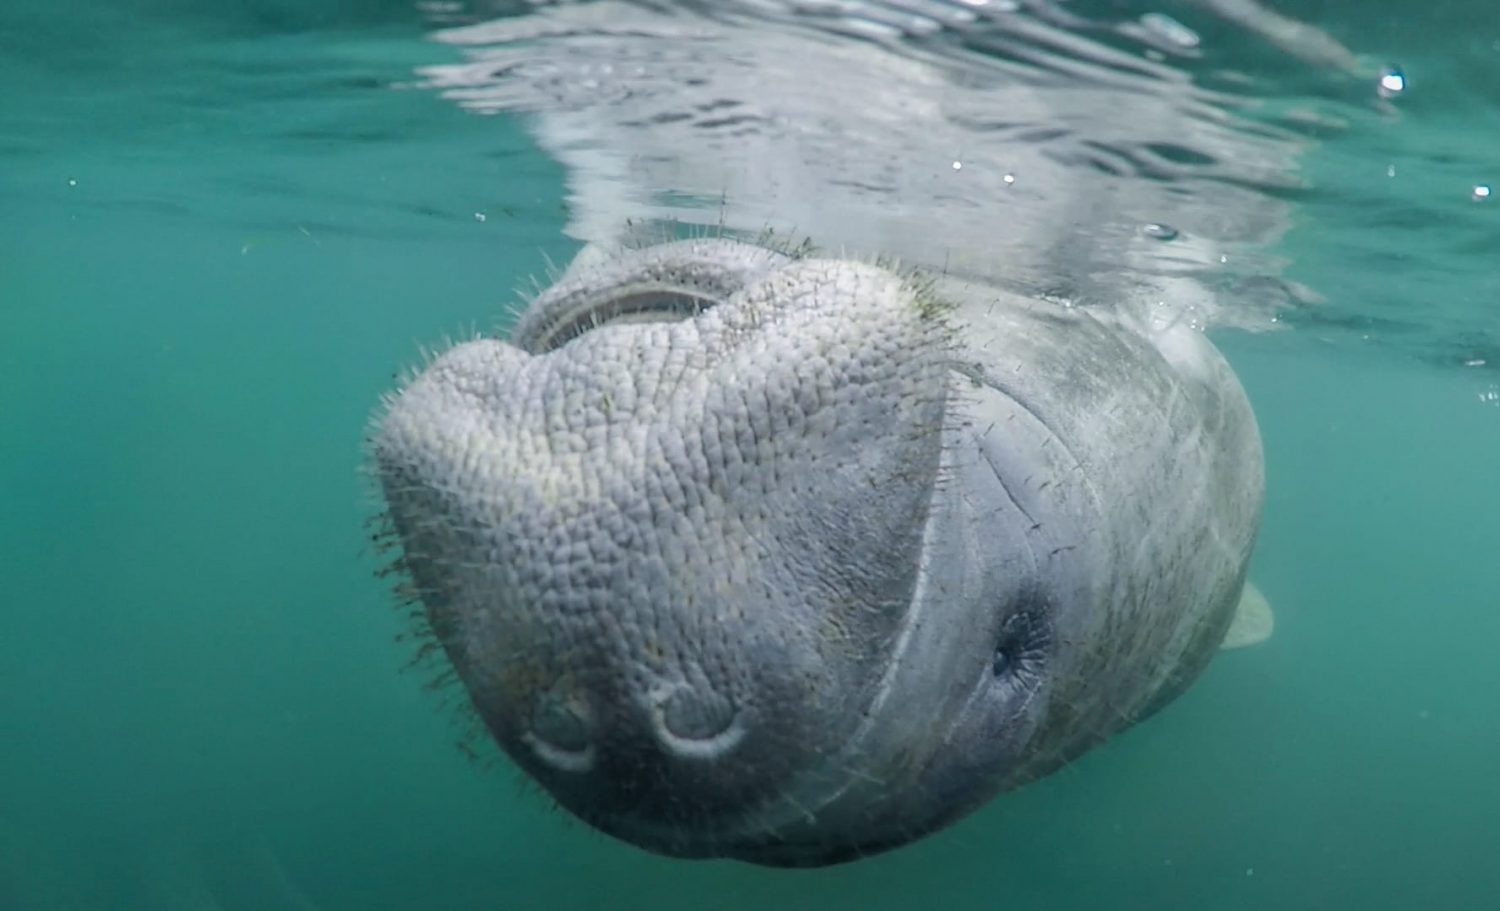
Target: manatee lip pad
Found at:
718, 546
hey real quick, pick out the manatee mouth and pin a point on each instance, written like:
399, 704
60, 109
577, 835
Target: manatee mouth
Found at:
663, 284
645, 305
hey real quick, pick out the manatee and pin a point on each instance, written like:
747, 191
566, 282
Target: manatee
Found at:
740, 550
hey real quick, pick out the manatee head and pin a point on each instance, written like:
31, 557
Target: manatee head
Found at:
696, 545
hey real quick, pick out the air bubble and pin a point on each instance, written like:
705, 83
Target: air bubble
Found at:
1392, 82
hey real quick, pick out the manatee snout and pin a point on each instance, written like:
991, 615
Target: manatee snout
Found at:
669, 533
653, 748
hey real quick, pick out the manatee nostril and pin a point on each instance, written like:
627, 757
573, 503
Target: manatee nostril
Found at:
697, 723
561, 730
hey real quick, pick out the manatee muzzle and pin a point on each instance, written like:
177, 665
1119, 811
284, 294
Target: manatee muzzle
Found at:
669, 532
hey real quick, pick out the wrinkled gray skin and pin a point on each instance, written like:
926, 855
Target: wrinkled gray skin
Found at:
795, 559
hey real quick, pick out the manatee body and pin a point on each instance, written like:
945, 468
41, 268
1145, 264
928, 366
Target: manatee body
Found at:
741, 552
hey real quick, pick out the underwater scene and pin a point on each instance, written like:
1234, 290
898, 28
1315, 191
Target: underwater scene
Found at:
237, 239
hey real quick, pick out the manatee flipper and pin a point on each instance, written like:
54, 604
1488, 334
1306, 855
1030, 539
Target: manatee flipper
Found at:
1253, 620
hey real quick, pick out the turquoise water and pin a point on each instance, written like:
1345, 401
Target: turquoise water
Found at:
221, 233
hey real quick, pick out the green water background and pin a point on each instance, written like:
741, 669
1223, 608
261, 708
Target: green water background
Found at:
222, 232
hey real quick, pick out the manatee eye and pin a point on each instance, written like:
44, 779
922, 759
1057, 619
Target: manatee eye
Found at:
1021, 649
